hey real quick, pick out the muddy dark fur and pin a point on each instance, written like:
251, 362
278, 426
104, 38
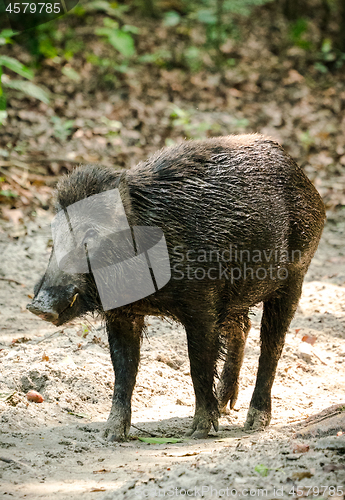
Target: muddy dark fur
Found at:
243, 191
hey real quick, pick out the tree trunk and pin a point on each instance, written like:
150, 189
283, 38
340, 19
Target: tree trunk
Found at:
149, 7
292, 9
341, 32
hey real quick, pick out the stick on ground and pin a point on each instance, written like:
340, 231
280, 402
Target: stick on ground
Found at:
12, 281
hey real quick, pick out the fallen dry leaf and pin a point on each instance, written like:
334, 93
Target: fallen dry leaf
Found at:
300, 447
301, 475
34, 397
310, 339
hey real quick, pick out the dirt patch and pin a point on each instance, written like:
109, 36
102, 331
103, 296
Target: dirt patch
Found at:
56, 447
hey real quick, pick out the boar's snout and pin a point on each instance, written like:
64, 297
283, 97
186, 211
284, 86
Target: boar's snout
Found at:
55, 304
45, 313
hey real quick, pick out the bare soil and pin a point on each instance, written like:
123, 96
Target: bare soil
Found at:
55, 448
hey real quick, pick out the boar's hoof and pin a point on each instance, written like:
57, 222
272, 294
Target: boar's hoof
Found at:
224, 396
115, 434
202, 423
116, 429
257, 420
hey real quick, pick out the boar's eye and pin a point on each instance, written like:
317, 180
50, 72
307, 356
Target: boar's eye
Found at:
91, 234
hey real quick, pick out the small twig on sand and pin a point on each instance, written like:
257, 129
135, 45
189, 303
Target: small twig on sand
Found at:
14, 161
315, 419
146, 432
12, 281
14, 179
16, 462
48, 337
317, 357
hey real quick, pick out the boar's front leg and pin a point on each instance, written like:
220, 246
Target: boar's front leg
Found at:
124, 334
277, 315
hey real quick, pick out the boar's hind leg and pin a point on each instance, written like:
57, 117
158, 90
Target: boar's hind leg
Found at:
203, 345
277, 315
235, 331
124, 334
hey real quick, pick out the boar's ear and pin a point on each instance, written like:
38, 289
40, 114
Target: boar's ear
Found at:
123, 187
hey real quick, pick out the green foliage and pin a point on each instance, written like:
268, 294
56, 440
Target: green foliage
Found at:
189, 124
326, 57
71, 73
219, 21
329, 57
108, 67
120, 38
85, 331
172, 19
95, 60
29, 89
192, 129
23, 86
298, 32
57, 39
161, 57
113, 125
41, 41
62, 128
3, 116
6, 396
73, 45
112, 9
210, 7
262, 470
306, 139
46, 47
16, 66
8, 194
221, 11
193, 58
49, 41
5, 37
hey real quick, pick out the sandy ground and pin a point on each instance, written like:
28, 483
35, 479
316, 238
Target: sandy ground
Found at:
55, 449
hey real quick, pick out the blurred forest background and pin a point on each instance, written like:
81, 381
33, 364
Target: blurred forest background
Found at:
112, 82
